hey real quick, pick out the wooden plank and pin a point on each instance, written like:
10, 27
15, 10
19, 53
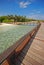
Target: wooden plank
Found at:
39, 39
36, 58
27, 58
41, 53
24, 61
38, 43
18, 49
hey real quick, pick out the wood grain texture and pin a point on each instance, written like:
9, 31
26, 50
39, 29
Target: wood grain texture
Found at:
33, 53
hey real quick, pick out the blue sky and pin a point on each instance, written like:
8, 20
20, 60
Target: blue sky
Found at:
30, 8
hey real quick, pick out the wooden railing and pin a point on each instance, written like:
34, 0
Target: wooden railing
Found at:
5, 57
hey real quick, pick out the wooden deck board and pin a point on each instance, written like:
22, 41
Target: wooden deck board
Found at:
28, 59
33, 53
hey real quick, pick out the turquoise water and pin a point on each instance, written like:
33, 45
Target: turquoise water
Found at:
10, 34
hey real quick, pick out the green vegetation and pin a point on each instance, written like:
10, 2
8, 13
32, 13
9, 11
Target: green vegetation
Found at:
11, 18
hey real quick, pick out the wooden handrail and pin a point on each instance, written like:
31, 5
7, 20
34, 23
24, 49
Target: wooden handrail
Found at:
14, 48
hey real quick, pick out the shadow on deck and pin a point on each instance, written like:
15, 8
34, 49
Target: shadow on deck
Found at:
22, 54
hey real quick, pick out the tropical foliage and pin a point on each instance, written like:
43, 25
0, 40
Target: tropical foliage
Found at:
11, 18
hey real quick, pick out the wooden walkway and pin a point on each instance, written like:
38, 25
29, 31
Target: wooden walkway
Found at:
33, 53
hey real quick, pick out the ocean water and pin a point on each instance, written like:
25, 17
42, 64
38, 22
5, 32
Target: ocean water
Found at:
10, 34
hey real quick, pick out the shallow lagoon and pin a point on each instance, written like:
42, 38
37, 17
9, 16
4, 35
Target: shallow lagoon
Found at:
11, 33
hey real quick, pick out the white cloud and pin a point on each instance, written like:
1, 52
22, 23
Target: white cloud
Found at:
36, 11
36, 16
24, 4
